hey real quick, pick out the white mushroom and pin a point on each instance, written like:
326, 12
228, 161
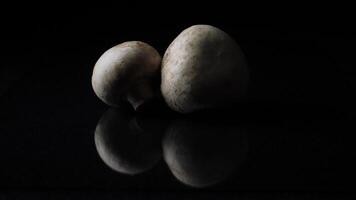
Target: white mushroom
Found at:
127, 72
203, 68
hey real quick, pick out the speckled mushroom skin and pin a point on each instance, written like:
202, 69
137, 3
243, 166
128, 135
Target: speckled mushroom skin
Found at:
203, 68
125, 73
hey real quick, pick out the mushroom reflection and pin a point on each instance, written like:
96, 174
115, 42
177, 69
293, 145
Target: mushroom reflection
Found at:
201, 153
124, 145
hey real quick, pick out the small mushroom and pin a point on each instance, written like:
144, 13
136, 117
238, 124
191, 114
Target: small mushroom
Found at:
127, 72
203, 68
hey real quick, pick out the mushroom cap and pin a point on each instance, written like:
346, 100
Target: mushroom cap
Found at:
202, 68
122, 67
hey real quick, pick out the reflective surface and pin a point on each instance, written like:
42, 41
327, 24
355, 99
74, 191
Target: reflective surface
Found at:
124, 145
198, 152
213, 151
68, 139
201, 153
295, 133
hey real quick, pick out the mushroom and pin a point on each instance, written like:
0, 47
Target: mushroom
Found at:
127, 72
202, 153
125, 145
203, 68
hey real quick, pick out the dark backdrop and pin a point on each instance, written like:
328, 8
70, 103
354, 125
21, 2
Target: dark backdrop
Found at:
294, 57
302, 67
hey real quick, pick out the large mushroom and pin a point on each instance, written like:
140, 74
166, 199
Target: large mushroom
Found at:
127, 72
203, 68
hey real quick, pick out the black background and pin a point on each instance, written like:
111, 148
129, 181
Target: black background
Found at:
301, 100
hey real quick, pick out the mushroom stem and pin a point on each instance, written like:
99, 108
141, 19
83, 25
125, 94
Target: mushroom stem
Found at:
140, 93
